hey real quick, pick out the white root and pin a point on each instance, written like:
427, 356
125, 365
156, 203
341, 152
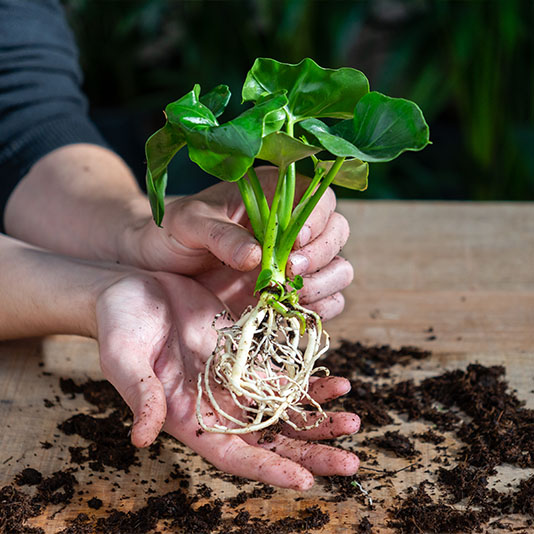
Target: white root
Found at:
265, 374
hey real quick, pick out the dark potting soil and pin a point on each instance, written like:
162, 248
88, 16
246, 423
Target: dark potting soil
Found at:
498, 429
419, 513
110, 441
395, 442
28, 477
365, 526
370, 360
16, 507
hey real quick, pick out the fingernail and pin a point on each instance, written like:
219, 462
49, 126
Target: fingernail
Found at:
304, 235
299, 263
243, 252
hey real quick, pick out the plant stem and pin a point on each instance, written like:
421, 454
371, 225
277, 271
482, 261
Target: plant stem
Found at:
251, 205
260, 196
301, 214
269, 259
288, 193
311, 188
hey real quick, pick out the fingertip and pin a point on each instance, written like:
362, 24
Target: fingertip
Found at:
246, 256
352, 424
305, 481
303, 237
144, 432
342, 385
350, 465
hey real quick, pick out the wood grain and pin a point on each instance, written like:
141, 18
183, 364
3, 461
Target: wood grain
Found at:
466, 270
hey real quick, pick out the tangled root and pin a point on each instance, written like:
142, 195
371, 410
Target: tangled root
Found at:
259, 362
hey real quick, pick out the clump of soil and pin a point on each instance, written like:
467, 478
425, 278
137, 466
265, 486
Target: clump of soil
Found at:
310, 518
95, 503
466, 481
365, 526
524, 497
261, 491
48, 489
57, 488
397, 443
370, 360
28, 477
429, 436
110, 441
419, 513
15, 509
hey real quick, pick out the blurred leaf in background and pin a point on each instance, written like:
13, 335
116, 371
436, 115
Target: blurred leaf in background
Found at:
468, 64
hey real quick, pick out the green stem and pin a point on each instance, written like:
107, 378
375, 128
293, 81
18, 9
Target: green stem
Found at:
251, 206
260, 196
302, 213
269, 260
288, 193
311, 187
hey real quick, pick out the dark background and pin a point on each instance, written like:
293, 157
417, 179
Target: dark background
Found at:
468, 64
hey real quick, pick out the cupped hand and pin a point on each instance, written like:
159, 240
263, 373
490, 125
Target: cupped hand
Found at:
155, 335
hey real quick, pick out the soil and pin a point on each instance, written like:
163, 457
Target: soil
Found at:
473, 405
395, 442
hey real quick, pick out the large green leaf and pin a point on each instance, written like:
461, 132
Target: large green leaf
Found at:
282, 149
227, 150
160, 148
311, 90
352, 174
217, 99
382, 128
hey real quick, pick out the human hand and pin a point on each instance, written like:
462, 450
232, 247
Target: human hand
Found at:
207, 235
155, 335
201, 230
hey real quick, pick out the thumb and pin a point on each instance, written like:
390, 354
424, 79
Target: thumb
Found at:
202, 224
138, 385
233, 244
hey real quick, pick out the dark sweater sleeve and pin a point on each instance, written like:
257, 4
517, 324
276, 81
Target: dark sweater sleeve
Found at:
42, 106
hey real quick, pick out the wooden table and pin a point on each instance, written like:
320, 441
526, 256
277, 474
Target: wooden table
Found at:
464, 269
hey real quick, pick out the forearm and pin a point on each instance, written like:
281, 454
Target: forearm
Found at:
44, 293
77, 200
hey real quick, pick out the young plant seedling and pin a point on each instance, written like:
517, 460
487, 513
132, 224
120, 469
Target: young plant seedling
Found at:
266, 358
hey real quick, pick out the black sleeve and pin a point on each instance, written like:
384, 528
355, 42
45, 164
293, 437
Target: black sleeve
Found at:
41, 104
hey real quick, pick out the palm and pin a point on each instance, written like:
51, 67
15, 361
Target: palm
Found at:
164, 323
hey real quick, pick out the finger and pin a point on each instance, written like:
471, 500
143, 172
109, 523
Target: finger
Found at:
208, 228
328, 307
319, 217
333, 278
328, 388
321, 250
232, 454
335, 425
138, 385
321, 460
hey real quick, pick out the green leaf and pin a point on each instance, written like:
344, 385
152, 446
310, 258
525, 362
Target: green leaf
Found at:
217, 99
335, 144
352, 174
264, 279
297, 282
385, 127
382, 128
282, 149
311, 90
160, 148
228, 150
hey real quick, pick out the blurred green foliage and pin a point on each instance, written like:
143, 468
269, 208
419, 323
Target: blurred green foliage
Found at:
468, 64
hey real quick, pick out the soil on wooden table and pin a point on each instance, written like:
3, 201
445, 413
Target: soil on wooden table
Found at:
475, 405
